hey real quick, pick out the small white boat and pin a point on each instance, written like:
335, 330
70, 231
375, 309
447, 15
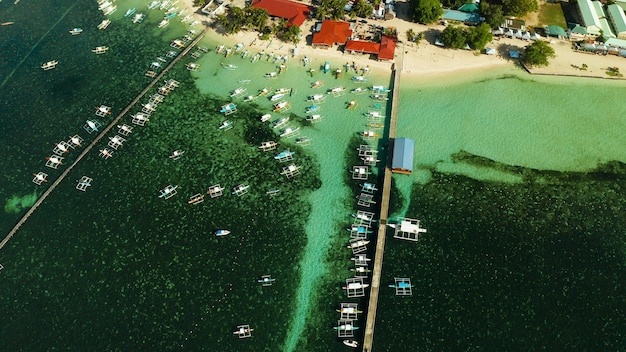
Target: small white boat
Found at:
163, 23
312, 108
280, 122
346, 327
177, 154
316, 97
317, 84
238, 92
359, 79
359, 90
49, 65
282, 106
76, 31
266, 117
109, 10
380, 89
104, 24
314, 118
276, 97
130, 12
222, 232
226, 125
358, 243
138, 18
100, 49
271, 75
230, 66
336, 90
351, 343
154, 4
289, 131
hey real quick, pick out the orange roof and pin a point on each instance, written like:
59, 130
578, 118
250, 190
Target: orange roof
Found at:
387, 48
294, 12
332, 32
363, 46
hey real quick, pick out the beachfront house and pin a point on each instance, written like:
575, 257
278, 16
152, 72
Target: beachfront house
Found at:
618, 20
402, 161
514, 24
593, 18
387, 48
329, 33
294, 12
460, 16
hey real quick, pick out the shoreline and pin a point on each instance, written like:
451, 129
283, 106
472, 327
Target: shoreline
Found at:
425, 58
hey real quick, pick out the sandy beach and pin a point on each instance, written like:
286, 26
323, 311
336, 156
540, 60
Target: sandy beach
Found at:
427, 59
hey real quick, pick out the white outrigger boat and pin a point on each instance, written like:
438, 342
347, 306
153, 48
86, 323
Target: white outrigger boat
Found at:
277, 97
163, 23
100, 49
229, 66
104, 24
346, 327
314, 118
40, 178
266, 117
316, 98
168, 192
226, 125
176, 154
280, 122
282, 106
139, 17
50, 65
358, 243
289, 131
351, 343
336, 91
76, 31
238, 92
222, 232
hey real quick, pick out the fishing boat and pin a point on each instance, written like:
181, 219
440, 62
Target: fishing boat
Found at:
277, 97
316, 98
369, 134
346, 327
6, 23
289, 131
138, 18
263, 92
266, 117
358, 243
238, 92
243, 331
240, 190
244, 81
226, 125
314, 118
312, 108
192, 66
359, 229
170, 15
349, 310
336, 91
272, 191
282, 106
168, 192
326, 66
303, 140
374, 114
40, 177
49, 65
359, 79
100, 49
228, 108
163, 23
268, 145
177, 154
280, 122
104, 24
130, 12
249, 98
352, 104
222, 232
351, 343
229, 66
282, 91
219, 49
358, 90
380, 89
401, 284
154, 4
355, 286
266, 280
317, 84
109, 10
380, 97
76, 31
375, 125
271, 75
196, 199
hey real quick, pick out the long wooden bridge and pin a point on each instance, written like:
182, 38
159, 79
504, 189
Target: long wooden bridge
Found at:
101, 135
384, 213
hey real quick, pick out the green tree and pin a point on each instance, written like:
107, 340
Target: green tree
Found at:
479, 36
425, 11
257, 17
519, 8
538, 53
333, 9
291, 34
492, 13
362, 9
453, 37
410, 35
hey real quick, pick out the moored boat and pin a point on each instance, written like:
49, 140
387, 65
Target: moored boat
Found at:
351, 343
222, 232
130, 12
76, 31
49, 65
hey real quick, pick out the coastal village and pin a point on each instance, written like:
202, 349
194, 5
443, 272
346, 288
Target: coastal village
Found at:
593, 46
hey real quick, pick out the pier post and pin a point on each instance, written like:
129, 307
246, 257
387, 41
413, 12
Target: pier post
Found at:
88, 148
384, 213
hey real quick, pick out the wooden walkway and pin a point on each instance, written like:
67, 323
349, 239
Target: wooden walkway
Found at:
384, 213
87, 149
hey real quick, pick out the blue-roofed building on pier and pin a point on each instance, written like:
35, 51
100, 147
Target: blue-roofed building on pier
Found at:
402, 161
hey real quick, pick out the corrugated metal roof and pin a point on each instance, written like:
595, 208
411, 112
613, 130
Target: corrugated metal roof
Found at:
403, 154
617, 17
454, 15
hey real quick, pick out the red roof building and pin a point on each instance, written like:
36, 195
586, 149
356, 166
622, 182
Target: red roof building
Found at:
387, 48
362, 46
293, 12
332, 32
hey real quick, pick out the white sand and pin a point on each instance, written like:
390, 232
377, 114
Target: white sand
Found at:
427, 59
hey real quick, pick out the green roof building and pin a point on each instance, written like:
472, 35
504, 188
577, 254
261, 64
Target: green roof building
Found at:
618, 20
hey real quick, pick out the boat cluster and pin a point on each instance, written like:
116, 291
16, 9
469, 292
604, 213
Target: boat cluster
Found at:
170, 11
107, 6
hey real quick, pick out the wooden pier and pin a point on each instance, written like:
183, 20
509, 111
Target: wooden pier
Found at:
384, 213
87, 149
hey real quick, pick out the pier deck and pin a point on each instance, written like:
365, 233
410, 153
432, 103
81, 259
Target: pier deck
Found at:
384, 213
87, 149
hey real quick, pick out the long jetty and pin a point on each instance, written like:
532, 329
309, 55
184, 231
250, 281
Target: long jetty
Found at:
384, 213
88, 148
